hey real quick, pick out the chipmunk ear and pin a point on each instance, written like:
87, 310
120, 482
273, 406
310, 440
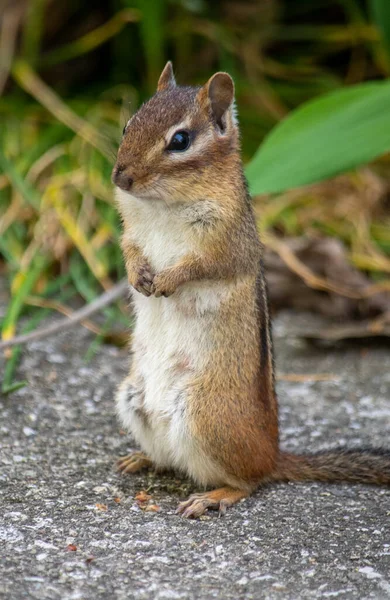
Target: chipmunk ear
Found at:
218, 93
167, 78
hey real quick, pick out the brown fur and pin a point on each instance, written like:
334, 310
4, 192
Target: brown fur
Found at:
359, 465
231, 406
228, 396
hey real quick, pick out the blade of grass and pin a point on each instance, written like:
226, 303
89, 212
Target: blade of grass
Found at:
78, 237
380, 10
92, 39
99, 339
88, 290
29, 193
32, 30
24, 283
8, 385
53, 286
152, 35
26, 77
11, 257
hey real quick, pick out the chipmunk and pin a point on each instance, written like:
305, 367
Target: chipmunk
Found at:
200, 396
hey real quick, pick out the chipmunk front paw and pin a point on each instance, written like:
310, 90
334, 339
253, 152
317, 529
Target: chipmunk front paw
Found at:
164, 283
142, 279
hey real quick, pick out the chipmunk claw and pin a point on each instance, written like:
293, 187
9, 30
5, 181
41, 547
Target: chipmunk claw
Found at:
144, 280
220, 499
158, 294
133, 462
196, 506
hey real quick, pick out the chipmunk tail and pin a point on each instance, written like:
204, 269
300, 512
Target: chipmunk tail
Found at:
360, 465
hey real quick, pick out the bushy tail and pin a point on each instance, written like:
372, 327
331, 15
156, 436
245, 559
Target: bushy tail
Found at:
362, 465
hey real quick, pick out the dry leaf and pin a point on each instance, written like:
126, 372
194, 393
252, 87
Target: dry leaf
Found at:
142, 497
316, 274
152, 508
71, 548
101, 506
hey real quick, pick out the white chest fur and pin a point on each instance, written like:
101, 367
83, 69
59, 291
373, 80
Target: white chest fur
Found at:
159, 230
171, 341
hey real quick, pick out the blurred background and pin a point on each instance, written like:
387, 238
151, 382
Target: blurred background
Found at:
72, 73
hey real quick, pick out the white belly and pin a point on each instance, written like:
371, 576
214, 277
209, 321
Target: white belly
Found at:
171, 344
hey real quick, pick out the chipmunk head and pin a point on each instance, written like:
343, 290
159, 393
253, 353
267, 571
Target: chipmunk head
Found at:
179, 134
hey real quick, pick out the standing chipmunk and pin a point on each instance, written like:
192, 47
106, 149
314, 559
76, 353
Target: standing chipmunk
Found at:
200, 395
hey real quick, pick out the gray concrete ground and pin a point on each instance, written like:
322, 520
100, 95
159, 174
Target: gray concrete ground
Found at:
70, 526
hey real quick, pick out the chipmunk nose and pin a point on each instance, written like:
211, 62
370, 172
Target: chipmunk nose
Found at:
122, 179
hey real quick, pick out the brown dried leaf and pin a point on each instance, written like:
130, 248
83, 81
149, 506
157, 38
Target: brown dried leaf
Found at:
142, 497
152, 508
315, 274
100, 506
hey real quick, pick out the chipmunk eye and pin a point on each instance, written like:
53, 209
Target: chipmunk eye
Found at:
180, 141
124, 129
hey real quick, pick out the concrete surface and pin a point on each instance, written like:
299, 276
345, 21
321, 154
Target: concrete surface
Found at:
70, 526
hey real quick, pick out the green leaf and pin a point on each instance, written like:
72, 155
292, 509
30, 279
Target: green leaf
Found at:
323, 138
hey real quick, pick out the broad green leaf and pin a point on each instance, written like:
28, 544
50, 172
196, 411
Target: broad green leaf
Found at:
323, 138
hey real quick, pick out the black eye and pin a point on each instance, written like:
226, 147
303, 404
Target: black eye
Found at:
179, 142
124, 130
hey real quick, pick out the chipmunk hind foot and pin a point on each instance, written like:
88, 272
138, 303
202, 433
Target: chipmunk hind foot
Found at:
133, 462
219, 499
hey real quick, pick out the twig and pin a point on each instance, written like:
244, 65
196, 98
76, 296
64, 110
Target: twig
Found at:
64, 310
113, 294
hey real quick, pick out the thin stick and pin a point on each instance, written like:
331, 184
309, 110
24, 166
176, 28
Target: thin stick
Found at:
113, 294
